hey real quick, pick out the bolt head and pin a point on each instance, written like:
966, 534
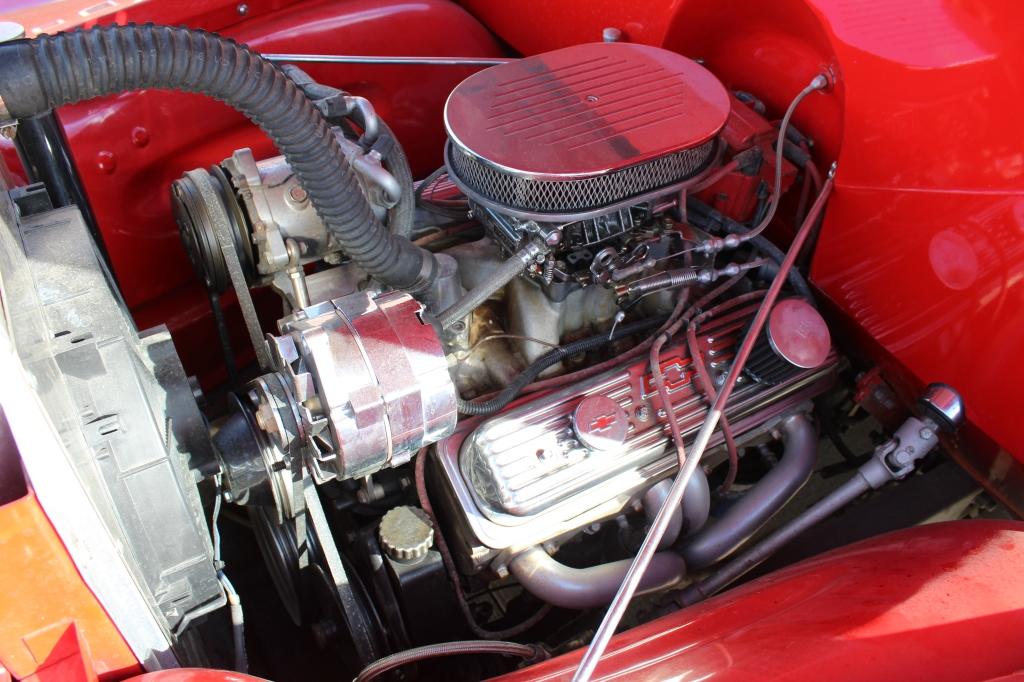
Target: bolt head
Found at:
611, 34
903, 456
265, 418
140, 136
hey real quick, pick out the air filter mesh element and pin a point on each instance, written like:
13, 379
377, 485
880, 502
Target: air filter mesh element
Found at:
550, 196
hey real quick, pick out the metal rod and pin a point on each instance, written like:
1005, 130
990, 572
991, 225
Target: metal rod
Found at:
373, 59
650, 544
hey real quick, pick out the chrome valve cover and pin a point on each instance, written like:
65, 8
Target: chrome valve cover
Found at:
527, 476
370, 381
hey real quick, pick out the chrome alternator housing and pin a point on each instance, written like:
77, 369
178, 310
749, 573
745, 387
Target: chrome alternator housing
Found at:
361, 384
369, 379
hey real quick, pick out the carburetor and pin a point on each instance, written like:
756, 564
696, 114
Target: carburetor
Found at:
581, 146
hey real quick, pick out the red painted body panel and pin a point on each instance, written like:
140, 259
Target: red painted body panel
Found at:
195, 675
940, 602
920, 254
532, 26
52, 628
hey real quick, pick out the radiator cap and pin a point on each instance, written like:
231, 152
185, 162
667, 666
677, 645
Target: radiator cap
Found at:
406, 534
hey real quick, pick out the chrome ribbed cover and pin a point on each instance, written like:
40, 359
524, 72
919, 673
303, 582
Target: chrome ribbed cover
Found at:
529, 459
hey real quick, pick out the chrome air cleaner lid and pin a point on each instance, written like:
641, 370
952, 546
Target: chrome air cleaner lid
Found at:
583, 127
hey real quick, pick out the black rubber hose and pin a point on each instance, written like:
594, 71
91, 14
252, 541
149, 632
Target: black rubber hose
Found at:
451, 213
529, 652
707, 218
553, 357
49, 71
504, 273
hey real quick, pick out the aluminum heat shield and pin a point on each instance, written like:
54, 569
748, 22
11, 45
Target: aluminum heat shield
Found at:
523, 477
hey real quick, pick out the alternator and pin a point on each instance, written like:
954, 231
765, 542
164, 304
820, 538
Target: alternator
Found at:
361, 385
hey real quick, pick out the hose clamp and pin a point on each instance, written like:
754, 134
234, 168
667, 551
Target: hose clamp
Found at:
427, 274
531, 252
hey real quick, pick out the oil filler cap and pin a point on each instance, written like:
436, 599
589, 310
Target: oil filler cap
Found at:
406, 534
600, 423
795, 337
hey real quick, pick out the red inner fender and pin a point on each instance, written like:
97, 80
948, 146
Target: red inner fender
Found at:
941, 602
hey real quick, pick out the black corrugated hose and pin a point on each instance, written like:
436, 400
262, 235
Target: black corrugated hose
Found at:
553, 357
49, 71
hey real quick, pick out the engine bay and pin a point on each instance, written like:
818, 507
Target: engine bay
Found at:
578, 362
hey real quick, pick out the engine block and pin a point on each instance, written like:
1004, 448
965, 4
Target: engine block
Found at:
525, 476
